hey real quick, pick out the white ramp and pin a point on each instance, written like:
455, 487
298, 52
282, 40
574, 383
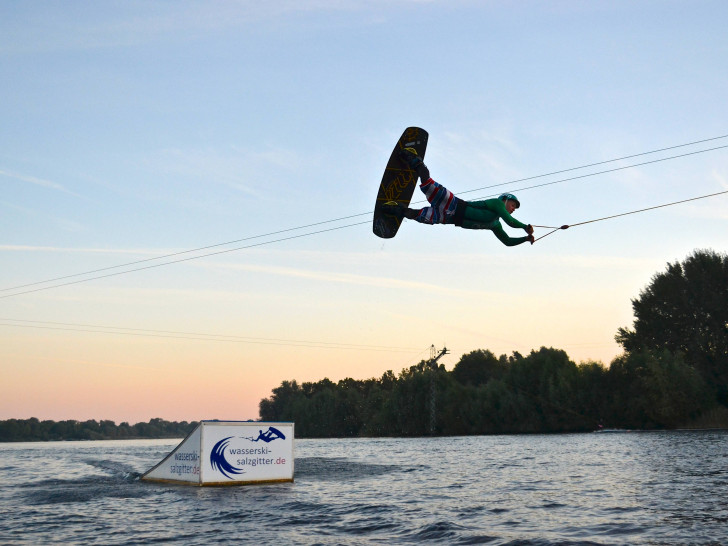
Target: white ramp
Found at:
229, 453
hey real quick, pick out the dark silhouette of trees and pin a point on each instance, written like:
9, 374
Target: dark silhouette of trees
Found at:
478, 367
655, 390
537, 393
685, 310
27, 430
543, 392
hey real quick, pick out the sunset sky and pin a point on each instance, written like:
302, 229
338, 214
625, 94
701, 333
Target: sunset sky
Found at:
245, 141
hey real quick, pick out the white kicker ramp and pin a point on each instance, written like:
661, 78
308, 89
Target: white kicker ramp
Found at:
229, 453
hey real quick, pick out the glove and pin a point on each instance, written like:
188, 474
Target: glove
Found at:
529, 229
530, 239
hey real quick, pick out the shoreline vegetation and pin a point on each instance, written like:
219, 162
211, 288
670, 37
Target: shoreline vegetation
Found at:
543, 392
34, 430
672, 375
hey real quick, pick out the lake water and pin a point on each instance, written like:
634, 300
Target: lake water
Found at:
599, 488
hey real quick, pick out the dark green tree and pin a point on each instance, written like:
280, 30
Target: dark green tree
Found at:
546, 393
411, 401
685, 310
654, 390
478, 367
279, 406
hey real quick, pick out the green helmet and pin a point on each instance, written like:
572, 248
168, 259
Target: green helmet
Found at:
506, 196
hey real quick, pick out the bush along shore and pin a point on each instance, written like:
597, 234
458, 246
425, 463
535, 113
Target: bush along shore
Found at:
29, 430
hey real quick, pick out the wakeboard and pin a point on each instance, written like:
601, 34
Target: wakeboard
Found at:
398, 182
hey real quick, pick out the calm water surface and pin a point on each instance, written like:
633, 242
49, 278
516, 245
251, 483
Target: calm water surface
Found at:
608, 488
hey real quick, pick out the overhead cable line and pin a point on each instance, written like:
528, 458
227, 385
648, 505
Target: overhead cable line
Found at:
194, 336
609, 161
173, 254
177, 261
626, 213
595, 173
341, 219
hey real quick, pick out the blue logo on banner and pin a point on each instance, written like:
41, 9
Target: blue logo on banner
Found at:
219, 462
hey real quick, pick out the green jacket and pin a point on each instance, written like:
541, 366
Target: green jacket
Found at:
485, 215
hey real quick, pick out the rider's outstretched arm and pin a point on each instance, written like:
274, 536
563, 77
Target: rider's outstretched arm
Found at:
505, 239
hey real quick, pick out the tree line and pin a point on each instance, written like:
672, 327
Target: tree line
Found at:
542, 392
27, 430
673, 369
